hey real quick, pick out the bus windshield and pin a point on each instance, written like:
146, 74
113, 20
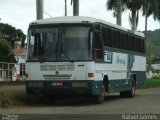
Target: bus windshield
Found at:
59, 43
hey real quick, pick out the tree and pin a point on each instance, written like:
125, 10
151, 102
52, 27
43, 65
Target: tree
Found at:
116, 6
134, 6
149, 7
5, 51
11, 34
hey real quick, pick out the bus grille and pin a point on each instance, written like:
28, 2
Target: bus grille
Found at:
69, 67
57, 77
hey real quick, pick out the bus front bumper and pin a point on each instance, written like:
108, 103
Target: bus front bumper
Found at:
85, 87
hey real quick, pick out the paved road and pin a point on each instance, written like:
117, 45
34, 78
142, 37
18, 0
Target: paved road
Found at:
146, 101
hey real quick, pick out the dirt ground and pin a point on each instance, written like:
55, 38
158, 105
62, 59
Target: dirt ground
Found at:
145, 101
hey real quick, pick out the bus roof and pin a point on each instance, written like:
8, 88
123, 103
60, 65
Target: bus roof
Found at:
81, 19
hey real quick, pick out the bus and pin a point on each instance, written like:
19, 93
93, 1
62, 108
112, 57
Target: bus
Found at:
84, 56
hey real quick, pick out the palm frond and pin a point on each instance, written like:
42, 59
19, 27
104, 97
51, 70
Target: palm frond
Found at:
110, 5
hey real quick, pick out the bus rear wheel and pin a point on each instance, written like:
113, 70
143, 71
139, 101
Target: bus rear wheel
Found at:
130, 93
99, 99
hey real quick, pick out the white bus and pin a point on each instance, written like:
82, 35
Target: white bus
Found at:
84, 56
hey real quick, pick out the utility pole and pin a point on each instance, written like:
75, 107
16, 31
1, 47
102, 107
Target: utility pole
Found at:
39, 6
75, 7
65, 7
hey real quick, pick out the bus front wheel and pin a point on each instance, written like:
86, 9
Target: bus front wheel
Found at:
99, 99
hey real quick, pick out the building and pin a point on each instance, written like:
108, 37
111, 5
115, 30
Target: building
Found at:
20, 56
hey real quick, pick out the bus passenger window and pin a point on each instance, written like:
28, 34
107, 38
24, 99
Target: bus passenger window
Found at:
107, 37
123, 42
118, 42
99, 55
109, 41
132, 43
98, 44
143, 46
98, 47
114, 39
104, 34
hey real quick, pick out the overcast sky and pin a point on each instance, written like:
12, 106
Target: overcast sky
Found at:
19, 13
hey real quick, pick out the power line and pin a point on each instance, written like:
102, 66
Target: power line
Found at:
47, 14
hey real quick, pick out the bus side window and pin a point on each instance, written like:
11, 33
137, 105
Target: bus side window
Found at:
118, 40
109, 33
138, 42
123, 42
127, 41
107, 37
143, 46
104, 34
98, 44
114, 39
133, 43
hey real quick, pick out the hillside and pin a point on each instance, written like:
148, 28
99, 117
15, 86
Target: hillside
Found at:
154, 45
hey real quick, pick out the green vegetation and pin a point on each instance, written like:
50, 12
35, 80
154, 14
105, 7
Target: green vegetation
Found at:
5, 51
152, 83
11, 34
8, 36
148, 7
155, 43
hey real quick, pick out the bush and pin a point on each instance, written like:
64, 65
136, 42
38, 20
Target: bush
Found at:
151, 83
156, 76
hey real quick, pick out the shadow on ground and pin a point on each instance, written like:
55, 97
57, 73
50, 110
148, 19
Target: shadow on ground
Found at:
61, 101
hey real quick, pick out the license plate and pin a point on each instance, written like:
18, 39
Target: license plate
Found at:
57, 84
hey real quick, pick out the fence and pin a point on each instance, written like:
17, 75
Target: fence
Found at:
12, 71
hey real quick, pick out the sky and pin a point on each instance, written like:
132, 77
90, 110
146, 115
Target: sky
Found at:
19, 13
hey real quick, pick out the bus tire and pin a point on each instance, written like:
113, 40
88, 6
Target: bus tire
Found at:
99, 99
130, 93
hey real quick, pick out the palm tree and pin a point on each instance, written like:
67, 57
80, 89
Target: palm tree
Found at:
133, 5
148, 7
116, 6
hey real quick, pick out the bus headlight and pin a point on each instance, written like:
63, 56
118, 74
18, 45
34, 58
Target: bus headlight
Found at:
35, 84
79, 84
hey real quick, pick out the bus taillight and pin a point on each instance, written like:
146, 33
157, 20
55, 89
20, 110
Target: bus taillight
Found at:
90, 75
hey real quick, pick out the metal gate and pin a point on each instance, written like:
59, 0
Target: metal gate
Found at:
12, 71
